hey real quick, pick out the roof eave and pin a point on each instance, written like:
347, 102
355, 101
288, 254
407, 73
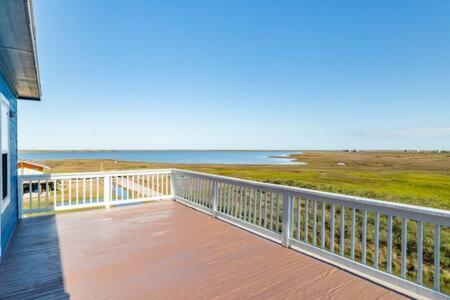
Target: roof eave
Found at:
33, 42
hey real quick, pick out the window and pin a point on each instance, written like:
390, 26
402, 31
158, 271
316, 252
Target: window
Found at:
5, 175
5, 178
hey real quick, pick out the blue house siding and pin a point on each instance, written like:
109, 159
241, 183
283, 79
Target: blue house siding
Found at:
10, 215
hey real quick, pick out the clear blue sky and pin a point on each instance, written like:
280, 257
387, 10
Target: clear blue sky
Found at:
240, 74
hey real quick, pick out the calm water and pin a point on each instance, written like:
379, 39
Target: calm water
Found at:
183, 157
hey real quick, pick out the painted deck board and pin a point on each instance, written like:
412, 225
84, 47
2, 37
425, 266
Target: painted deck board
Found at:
163, 250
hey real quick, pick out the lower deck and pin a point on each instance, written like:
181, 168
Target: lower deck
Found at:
163, 250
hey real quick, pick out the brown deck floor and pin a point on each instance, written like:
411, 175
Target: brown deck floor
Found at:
163, 250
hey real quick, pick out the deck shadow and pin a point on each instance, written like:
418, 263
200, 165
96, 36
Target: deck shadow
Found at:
32, 265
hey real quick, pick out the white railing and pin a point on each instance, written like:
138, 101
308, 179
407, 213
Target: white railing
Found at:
389, 243
53, 192
393, 244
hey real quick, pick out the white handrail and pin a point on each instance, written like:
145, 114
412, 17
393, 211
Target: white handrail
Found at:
439, 216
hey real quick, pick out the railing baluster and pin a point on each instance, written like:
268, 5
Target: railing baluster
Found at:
230, 199
46, 194
278, 212
197, 189
167, 184
232, 204
254, 206
62, 192
183, 186
70, 192
404, 241
314, 230
419, 252
54, 194
265, 209
158, 184
245, 203
376, 240
205, 192
306, 219
202, 191
142, 186
333, 212
271, 210
389, 245
147, 186
223, 193
189, 187
30, 203
322, 235
133, 188
364, 237
98, 188
90, 190
212, 192
260, 207
194, 189
352, 249
291, 199
76, 191
342, 232
240, 202
219, 184
214, 197
84, 190
39, 194
117, 188
437, 263
299, 210
227, 198
236, 201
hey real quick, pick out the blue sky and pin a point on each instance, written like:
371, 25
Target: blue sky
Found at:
240, 75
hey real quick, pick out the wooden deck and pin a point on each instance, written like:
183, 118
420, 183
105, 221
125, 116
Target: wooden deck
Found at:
163, 250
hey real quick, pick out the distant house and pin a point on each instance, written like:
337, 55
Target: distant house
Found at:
26, 167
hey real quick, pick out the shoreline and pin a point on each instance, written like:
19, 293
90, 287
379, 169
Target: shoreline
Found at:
188, 157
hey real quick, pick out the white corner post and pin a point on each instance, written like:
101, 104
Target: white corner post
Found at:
20, 197
214, 199
172, 184
107, 191
286, 222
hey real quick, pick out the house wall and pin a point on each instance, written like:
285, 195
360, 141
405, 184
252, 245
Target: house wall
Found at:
24, 168
26, 171
9, 217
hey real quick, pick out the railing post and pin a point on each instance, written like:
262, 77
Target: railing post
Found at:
172, 184
106, 191
214, 199
20, 196
286, 222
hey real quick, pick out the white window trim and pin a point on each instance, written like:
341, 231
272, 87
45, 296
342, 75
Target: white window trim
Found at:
5, 202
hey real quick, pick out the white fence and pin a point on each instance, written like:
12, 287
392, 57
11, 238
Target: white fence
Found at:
53, 192
367, 237
393, 244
